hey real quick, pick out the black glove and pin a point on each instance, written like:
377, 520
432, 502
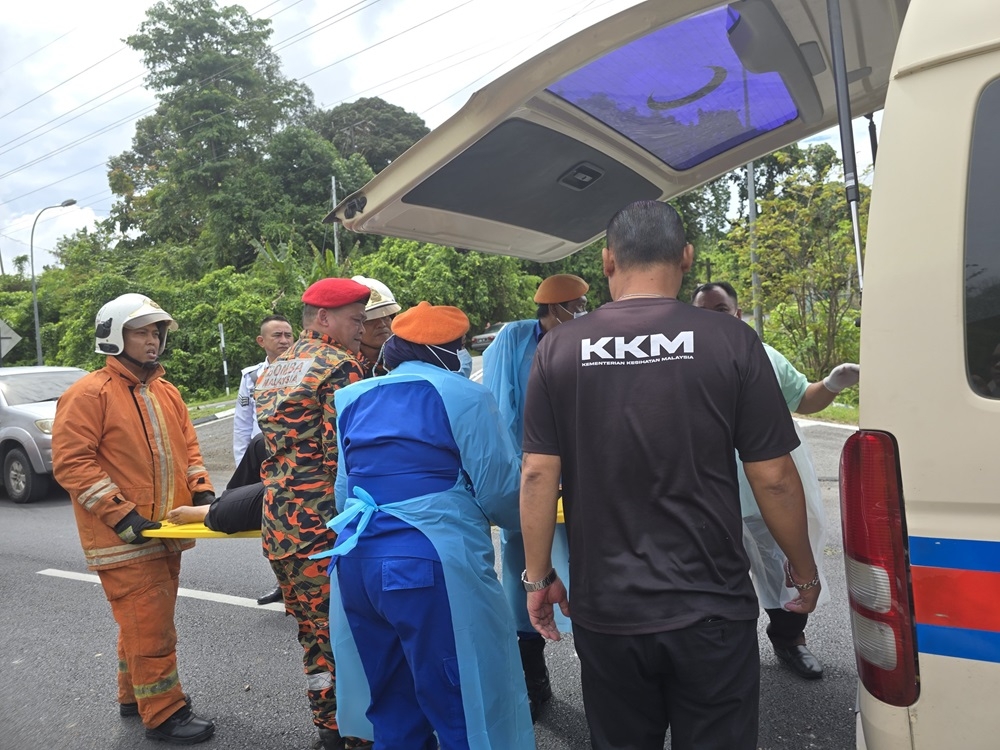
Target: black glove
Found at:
203, 497
131, 527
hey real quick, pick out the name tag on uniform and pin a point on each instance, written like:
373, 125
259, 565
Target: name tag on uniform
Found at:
285, 373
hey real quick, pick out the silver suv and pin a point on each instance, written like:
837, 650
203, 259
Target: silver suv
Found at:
28, 398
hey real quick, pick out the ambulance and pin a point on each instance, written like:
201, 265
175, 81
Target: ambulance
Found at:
669, 94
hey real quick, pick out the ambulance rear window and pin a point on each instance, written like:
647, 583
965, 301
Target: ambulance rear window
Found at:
982, 248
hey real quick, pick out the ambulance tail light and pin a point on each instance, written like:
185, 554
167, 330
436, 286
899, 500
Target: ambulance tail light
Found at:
878, 575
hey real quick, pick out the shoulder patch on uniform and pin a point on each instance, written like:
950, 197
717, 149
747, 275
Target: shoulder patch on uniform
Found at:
244, 401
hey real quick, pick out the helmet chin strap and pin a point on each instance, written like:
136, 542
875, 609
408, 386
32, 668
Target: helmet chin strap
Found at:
144, 365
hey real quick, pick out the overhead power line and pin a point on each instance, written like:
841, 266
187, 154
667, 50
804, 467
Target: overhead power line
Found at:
32, 54
62, 83
292, 40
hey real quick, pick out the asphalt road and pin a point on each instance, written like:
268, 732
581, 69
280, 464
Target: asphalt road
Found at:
241, 663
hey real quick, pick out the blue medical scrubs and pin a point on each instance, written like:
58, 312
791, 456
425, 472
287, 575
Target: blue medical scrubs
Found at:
506, 366
422, 636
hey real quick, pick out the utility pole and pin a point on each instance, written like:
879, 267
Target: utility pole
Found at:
336, 240
225, 365
758, 316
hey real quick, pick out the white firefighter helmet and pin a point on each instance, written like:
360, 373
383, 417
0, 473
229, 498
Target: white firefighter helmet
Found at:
128, 311
381, 303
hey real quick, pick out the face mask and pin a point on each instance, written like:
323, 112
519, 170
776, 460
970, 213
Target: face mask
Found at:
432, 347
575, 314
465, 362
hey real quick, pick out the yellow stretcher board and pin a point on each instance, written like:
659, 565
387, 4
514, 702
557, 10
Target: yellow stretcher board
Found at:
196, 531
200, 531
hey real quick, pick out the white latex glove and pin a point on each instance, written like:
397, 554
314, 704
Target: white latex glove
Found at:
842, 376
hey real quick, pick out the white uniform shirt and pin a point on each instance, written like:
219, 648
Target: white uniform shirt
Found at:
245, 426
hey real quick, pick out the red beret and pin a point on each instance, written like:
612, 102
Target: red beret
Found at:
563, 287
330, 293
431, 324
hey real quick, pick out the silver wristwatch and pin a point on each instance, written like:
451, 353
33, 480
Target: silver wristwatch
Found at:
537, 585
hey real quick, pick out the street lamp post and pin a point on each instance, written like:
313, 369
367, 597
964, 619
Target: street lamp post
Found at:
34, 286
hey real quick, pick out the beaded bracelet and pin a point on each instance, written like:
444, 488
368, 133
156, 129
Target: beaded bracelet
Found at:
801, 586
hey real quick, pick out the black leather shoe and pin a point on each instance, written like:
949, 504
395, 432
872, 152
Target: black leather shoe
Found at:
183, 728
800, 660
274, 596
132, 709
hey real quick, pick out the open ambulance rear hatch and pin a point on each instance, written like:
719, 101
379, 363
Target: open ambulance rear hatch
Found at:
647, 104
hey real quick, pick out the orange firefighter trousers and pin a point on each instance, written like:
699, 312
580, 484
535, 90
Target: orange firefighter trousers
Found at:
142, 597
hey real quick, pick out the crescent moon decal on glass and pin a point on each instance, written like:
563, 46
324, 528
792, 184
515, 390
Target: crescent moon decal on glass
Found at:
719, 75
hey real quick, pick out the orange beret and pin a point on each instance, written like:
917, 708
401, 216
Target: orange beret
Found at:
562, 287
431, 324
330, 293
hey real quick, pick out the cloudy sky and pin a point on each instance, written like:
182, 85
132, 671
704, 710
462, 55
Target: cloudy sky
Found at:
72, 91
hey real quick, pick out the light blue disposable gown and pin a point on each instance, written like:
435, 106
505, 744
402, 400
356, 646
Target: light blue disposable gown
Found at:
457, 523
506, 366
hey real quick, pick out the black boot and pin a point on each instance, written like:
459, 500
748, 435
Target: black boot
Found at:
536, 674
183, 728
132, 709
274, 596
331, 739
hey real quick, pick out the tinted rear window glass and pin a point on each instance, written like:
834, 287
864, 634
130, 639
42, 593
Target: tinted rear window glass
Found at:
681, 92
982, 248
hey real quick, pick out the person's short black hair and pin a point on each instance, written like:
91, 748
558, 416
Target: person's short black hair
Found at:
646, 233
543, 310
725, 286
272, 318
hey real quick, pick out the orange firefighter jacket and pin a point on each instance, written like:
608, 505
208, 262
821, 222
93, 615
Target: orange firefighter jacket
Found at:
119, 444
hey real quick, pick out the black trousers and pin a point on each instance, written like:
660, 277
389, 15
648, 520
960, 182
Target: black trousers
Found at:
786, 628
703, 682
248, 470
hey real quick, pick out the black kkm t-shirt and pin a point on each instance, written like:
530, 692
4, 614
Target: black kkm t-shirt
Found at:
645, 401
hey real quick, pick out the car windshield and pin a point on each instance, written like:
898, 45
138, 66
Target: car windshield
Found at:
30, 388
495, 328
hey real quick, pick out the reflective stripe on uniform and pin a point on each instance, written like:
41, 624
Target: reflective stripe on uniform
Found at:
122, 553
319, 681
91, 496
144, 692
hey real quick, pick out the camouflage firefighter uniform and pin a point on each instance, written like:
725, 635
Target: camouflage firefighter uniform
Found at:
295, 409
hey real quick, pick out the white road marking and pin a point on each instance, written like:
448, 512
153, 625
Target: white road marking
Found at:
816, 423
208, 596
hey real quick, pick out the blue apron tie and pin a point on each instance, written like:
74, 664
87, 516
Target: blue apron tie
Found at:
366, 506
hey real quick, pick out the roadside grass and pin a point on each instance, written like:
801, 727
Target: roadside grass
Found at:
840, 413
213, 406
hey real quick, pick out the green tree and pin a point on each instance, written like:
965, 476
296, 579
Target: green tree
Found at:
221, 97
372, 127
488, 288
806, 262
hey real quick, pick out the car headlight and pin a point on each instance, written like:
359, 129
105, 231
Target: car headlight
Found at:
44, 425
